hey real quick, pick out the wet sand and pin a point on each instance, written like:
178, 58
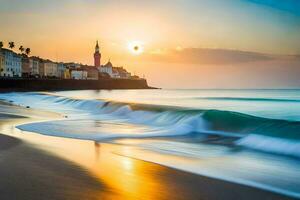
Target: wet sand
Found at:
29, 173
35, 166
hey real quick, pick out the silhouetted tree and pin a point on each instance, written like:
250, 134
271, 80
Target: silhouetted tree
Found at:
11, 45
21, 49
1, 44
27, 51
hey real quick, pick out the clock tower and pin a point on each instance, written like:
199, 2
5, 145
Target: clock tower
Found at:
97, 56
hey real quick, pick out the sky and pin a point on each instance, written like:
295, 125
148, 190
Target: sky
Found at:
185, 43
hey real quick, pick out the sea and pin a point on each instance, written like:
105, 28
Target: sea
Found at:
250, 137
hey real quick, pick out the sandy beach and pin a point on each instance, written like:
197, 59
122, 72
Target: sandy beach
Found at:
150, 100
35, 166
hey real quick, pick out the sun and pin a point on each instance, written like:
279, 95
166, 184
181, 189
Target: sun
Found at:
136, 47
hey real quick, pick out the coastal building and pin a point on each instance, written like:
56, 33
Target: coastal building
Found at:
97, 56
1, 62
50, 69
42, 68
67, 73
34, 66
72, 66
79, 74
92, 72
61, 70
103, 75
115, 73
12, 64
25, 66
107, 68
120, 72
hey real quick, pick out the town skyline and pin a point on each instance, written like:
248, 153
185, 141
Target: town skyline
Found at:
11, 45
21, 65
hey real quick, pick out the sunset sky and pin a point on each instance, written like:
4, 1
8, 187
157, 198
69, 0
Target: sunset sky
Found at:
180, 38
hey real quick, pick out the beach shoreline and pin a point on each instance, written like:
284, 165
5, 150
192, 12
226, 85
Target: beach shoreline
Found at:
101, 172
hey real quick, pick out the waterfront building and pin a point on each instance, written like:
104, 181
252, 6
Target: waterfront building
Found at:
115, 73
103, 75
25, 66
50, 69
34, 66
92, 72
1, 62
121, 72
67, 73
72, 65
97, 56
107, 68
42, 68
61, 70
12, 64
79, 74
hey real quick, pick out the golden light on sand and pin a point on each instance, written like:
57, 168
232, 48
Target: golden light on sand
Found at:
136, 47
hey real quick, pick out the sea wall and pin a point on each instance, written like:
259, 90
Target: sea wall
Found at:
70, 84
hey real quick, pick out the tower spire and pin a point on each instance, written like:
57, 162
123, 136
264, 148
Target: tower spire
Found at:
97, 47
97, 55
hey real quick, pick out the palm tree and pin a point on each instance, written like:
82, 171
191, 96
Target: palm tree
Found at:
21, 49
1, 44
11, 45
27, 51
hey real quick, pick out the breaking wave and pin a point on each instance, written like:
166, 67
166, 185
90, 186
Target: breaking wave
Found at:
130, 120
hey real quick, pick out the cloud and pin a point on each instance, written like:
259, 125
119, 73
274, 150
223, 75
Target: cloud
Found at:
261, 74
207, 56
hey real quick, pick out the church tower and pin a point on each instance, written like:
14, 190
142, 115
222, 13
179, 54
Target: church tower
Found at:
97, 56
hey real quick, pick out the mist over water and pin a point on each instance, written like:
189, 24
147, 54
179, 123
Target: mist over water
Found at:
247, 136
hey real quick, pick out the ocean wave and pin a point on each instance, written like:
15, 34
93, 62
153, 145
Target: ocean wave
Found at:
271, 144
161, 121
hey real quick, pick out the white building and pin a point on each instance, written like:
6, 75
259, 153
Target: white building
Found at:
61, 70
12, 64
34, 66
120, 72
79, 74
50, 69
1, 62
115, 73
107, 68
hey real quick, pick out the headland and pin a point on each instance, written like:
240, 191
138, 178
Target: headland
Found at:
34, 84
21, 72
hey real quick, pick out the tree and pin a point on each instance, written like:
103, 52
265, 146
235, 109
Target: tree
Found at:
11, 45
1, 44
27, 51
21, 49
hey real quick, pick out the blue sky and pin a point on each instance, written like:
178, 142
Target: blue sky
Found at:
291, 6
